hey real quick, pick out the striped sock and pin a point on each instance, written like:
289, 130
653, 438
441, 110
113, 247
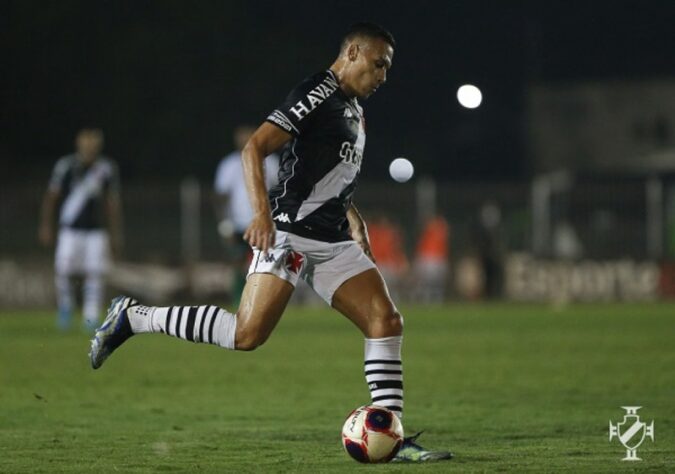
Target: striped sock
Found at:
208, 324
384, 373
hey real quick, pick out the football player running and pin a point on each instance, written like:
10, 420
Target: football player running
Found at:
305, 227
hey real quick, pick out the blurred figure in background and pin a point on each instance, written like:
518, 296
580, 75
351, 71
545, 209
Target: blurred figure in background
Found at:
84, 187
233, 208
487, 240
386, 246
432, 260
566, 242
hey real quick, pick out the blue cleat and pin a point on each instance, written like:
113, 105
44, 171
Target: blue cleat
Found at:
412, 452
113, 332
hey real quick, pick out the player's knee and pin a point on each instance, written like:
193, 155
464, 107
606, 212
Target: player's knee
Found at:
249, 338
386, 321
394, 323
248, 341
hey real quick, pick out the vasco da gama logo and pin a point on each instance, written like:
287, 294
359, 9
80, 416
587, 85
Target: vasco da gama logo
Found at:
631, 432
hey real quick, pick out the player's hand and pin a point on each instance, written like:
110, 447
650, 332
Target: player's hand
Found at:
261, 232
46, 235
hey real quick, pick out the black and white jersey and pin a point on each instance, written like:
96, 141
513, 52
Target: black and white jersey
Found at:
83, 190
319, 167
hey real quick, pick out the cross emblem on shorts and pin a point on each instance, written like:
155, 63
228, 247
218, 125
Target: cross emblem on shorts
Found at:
294, 261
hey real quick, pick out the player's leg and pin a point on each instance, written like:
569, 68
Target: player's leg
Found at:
263, 302
64, 299
349, 281
63, 278
272, 278
364, 300
96, 266
92, 299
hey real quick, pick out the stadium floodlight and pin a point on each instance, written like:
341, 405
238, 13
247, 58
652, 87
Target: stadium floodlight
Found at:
469, 96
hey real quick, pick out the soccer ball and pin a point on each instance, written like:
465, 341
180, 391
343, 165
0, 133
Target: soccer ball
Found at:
372, 434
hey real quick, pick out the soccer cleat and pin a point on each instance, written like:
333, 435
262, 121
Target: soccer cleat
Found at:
412, 452
89, 326
113, 332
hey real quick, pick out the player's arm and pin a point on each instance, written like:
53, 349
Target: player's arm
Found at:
46, 229
358, 230
267, 139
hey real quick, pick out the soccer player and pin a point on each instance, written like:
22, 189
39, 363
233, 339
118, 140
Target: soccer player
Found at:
86, 186
233, 207
307, 227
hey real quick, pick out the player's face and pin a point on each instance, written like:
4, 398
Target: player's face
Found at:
89, 144
370, 65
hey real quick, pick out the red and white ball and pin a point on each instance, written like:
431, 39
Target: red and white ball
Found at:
372, 434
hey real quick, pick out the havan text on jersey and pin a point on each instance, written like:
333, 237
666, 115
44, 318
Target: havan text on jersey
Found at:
315, 97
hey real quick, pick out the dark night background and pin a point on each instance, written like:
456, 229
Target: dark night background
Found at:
167, 80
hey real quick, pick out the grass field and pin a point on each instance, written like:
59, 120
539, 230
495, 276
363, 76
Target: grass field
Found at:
508, 388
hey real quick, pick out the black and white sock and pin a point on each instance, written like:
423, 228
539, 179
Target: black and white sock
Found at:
384, 373
208, 324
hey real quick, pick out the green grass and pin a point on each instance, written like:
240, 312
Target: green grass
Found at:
508, 388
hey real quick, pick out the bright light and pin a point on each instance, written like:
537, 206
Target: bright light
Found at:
401, 170
469, 96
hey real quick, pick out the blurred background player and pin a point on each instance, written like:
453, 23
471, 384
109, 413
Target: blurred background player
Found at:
432, 262
84, 186
233, 208
386, 245
489, 248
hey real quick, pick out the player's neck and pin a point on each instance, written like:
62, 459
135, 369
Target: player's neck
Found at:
87, 161
338, 69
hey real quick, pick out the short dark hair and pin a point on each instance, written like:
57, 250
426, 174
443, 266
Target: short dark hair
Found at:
370, 30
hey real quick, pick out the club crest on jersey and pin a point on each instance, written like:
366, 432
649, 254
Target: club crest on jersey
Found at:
315, 97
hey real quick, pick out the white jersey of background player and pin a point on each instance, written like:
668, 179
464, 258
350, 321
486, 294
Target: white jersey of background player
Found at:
84, 187
234, 206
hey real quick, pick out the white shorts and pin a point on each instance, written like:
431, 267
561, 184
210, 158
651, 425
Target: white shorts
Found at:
323, 265
80, 252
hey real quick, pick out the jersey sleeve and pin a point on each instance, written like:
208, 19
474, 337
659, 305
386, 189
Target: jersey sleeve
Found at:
58, 175
294, 114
